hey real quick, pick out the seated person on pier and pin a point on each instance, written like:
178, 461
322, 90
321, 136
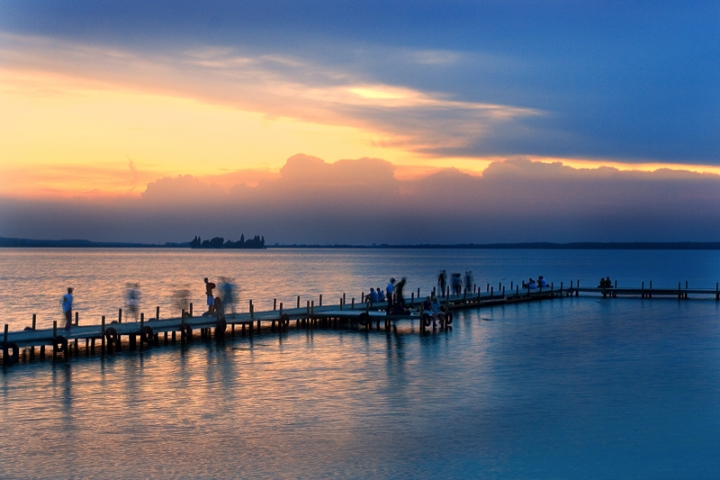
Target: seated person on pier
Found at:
427, 305
373, 296
436, 310
543, 283
531, 284
380, 295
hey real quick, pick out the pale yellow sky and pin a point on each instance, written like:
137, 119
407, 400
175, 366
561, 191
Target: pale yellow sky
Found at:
68, 136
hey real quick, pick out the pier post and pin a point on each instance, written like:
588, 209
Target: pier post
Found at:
281, 308
54, 336
418, 294
341, 303
511, 285
503, 292
102, 330
412, 299
717, 292
344, 300
492, 290
578, 286
120, 315
34, 321
5, 337
191, 310
274, 304
142, 325
352, 305
157, 313
298, 301
320, 304
642, 288
252, 310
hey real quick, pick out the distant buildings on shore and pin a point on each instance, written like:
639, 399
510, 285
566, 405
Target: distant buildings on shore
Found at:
219, 242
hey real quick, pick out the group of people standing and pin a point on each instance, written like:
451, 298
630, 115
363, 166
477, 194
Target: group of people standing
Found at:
457, 282
224, 302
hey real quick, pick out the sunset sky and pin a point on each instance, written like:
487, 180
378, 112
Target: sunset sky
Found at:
360, 122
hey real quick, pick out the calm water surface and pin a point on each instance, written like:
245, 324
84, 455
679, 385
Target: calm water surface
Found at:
574, 388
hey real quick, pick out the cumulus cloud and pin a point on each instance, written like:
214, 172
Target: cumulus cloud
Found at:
361, 202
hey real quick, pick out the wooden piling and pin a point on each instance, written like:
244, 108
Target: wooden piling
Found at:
298, 301
54, 336
34, 321
274, 304
103, 335
157, 313
120, 315
320, 304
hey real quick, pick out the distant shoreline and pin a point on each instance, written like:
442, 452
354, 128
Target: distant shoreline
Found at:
76, 243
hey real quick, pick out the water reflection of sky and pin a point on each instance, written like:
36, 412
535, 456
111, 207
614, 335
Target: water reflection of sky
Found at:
34, 280
548, 390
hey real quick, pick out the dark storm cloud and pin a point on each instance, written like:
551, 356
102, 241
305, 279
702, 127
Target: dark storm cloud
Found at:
636, 81
361, 202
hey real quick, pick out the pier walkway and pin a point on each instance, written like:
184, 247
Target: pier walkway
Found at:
106, 338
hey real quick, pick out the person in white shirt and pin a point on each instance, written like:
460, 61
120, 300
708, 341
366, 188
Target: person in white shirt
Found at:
67, 302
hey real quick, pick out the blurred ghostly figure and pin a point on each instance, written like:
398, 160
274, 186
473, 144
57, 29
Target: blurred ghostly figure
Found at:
181, 300
228, 295
132, 300
469, 282
456, 281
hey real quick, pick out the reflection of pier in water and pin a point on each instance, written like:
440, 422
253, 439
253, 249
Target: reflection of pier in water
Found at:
107, 338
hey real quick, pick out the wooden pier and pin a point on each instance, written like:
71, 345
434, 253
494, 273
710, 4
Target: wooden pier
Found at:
109, 337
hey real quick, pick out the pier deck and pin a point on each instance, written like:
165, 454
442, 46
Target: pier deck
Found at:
154, 331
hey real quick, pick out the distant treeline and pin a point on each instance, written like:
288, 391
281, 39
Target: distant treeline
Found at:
535, 246
77, 243
219, 242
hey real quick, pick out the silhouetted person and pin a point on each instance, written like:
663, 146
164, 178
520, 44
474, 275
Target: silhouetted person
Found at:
209, 287
399, 299
442, 282
380, 294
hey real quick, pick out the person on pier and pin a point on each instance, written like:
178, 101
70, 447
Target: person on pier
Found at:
442, 282
469, 281
542, 283
389, 291
209, 287
399, 299
67, 303
373, 296
132, 300
531, 284
457, 283
380, 294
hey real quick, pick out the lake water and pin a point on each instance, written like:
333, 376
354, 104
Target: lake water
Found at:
570, 388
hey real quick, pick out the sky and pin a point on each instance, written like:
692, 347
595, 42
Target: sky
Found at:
360, 122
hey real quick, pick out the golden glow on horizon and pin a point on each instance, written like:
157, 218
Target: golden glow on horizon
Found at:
64, 136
